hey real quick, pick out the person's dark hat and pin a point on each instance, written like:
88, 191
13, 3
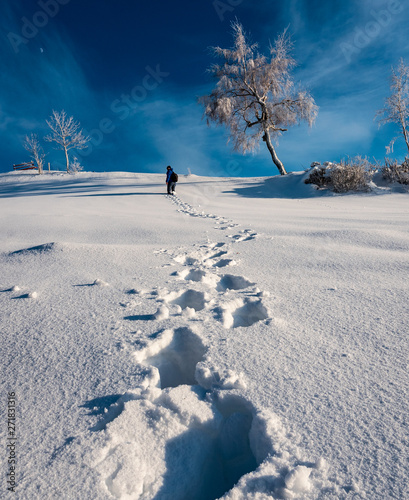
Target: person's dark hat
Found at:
168, 167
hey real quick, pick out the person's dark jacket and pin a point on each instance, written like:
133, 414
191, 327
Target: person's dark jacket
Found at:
169, 175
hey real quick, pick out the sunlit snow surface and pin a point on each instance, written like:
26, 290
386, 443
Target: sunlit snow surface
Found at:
245, 339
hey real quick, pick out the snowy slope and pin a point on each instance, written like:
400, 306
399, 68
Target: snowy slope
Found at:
244, 339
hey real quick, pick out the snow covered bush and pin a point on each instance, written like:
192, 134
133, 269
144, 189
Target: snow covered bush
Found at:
352, 175
75, 165
319, 175
392, 172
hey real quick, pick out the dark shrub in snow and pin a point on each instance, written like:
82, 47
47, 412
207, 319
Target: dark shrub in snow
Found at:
392, 172
319, 175
351, 175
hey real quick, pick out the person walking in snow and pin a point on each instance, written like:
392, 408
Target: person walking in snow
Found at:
171, 179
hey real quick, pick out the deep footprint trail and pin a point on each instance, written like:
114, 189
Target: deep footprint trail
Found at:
187, 430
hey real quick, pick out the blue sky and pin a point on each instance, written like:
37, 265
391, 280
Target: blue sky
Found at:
131, 73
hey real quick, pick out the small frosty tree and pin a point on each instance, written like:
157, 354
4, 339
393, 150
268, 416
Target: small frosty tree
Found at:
75, 165
33, 146
396, 108
66, 134
255, 95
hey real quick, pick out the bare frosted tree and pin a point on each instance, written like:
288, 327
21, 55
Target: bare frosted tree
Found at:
396, 108
255, 96
66, 133
33, 146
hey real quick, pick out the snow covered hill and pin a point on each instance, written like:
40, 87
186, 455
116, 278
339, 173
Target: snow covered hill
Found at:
245, 339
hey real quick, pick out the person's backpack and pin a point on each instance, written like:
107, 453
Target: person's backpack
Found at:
174, 177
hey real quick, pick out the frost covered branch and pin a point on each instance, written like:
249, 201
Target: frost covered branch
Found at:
33, 146
66, 133
255, 96
396, 108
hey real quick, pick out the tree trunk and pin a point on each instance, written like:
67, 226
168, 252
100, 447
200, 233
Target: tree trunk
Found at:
68, 161
405, 135
403, 125
276, 160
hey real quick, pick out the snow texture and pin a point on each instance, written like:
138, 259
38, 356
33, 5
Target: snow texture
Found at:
245, 339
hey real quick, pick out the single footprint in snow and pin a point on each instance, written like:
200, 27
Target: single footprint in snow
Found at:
186, 447
225, 263
189, 298
198, 275
232, 282
241, 312
175, 354
243, 237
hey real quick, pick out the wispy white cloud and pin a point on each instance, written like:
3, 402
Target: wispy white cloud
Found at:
345, 50
43, 75
49, 73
